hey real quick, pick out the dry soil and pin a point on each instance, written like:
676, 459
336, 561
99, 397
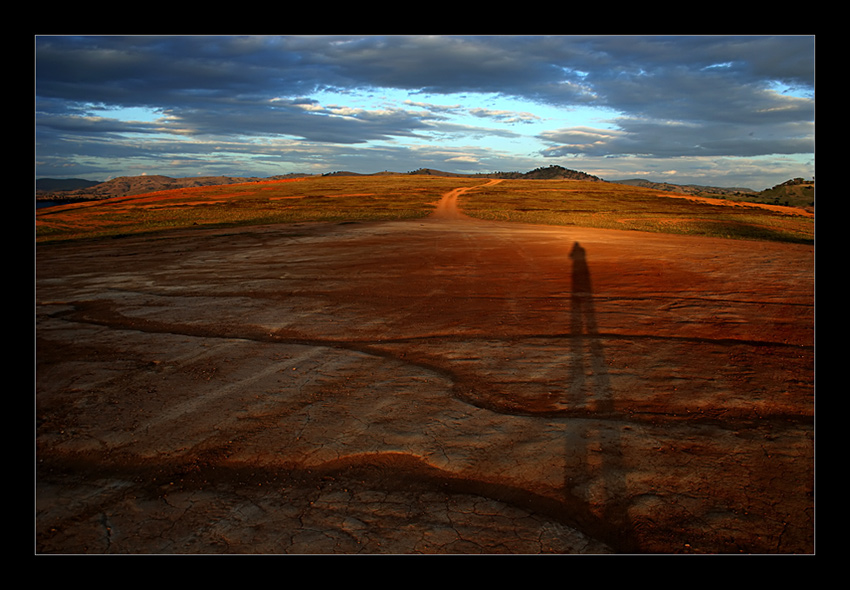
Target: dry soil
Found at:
443, 385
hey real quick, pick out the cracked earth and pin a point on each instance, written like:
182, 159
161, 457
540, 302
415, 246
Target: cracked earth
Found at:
443, 385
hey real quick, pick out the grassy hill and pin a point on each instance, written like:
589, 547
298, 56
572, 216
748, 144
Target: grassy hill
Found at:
546, 173
791, 193
618, 206
583, 203
689, 189
76, 189
54, 189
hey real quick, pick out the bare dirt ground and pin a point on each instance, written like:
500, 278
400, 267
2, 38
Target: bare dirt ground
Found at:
443, 385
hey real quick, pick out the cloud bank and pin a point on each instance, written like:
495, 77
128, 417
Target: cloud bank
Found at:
733, 108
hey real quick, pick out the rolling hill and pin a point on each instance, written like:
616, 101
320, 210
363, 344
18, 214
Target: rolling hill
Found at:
688, 189
795, 192
49, 188
76, 189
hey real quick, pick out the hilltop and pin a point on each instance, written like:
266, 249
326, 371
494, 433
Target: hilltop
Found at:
795, 192
550, 173
546, 173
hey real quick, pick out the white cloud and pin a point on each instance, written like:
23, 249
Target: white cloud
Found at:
504, 116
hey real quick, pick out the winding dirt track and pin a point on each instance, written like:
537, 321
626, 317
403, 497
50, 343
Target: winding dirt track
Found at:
444, 385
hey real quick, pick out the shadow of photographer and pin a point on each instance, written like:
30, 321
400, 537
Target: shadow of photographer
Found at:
594, 470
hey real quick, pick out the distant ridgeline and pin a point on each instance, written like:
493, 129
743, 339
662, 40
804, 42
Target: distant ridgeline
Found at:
796, 192
48, 185
547, 173
76, 189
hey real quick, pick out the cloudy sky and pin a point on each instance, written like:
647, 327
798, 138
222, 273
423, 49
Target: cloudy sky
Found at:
718, 110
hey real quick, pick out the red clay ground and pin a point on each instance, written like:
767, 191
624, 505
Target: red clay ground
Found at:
444, 385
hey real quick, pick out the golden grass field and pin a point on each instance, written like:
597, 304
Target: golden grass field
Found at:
395, 197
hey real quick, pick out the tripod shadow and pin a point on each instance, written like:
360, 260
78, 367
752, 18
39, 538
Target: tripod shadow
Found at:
594, 470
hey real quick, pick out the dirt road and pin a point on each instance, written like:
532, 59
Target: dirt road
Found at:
444, 385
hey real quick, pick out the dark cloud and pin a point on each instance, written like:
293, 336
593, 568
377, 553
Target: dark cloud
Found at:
666, 96
289, 119
673, 139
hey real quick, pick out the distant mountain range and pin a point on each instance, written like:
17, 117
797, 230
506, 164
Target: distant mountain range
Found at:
795, 192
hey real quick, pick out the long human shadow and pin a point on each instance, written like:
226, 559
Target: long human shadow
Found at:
589, 386
594, 467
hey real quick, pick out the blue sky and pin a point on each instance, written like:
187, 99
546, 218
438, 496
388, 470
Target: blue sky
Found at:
718, 110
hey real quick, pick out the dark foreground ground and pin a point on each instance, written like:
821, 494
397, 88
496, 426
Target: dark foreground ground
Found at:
443, 385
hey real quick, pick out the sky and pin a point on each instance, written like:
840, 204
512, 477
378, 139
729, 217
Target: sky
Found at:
728, 111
